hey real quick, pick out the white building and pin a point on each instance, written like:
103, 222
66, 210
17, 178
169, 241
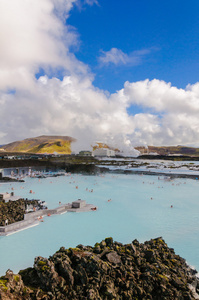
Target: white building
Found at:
85, 153
104, 152
79, 203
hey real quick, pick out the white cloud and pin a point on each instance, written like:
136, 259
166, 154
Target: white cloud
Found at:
115, 56
82, 3
69, 107
175, 117
75, 107
33, 35
118, 57
161, 96
91, 2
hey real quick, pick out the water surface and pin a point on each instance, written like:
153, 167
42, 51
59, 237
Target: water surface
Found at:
140, 208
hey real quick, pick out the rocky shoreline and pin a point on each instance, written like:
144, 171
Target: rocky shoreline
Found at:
152, 173
93, 166
9, 179
13, 211
91, 169
109, 270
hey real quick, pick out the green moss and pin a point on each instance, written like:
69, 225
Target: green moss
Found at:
3, 284
25, 291
41, 263
105, 263
159, 241
16, 278
174, 261
128, 251
76, 249
45, 268
163, 277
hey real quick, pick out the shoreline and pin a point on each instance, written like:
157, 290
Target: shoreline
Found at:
34, 218
154, 173
23, 228
105, 169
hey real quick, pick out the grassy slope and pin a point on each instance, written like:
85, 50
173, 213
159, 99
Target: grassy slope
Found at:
61, 148
43, 144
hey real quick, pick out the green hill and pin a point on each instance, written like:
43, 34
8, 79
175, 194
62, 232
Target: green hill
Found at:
42, 144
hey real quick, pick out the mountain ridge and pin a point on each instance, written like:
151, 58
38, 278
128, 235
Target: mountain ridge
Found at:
168, 150
42, 144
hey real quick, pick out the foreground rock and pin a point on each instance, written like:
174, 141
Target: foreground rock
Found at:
109, 270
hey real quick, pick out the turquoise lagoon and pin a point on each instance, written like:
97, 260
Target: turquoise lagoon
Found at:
140, 208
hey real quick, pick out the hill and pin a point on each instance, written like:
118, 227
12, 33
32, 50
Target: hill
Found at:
42, 144
169, 150
100, 145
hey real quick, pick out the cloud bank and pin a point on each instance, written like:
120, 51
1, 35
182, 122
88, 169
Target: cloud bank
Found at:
34, 36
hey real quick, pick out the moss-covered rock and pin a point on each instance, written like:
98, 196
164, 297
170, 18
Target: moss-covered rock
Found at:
109, 270
14, 211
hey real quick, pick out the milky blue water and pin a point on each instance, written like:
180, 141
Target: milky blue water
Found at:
131, 214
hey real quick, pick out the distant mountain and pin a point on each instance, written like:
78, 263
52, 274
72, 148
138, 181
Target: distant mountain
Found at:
169, 150
42, 144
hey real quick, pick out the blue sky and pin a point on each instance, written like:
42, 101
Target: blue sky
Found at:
121, 72
169, 30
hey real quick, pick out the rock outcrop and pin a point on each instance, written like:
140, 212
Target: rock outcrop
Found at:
13, 211
89, 169
109, 270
